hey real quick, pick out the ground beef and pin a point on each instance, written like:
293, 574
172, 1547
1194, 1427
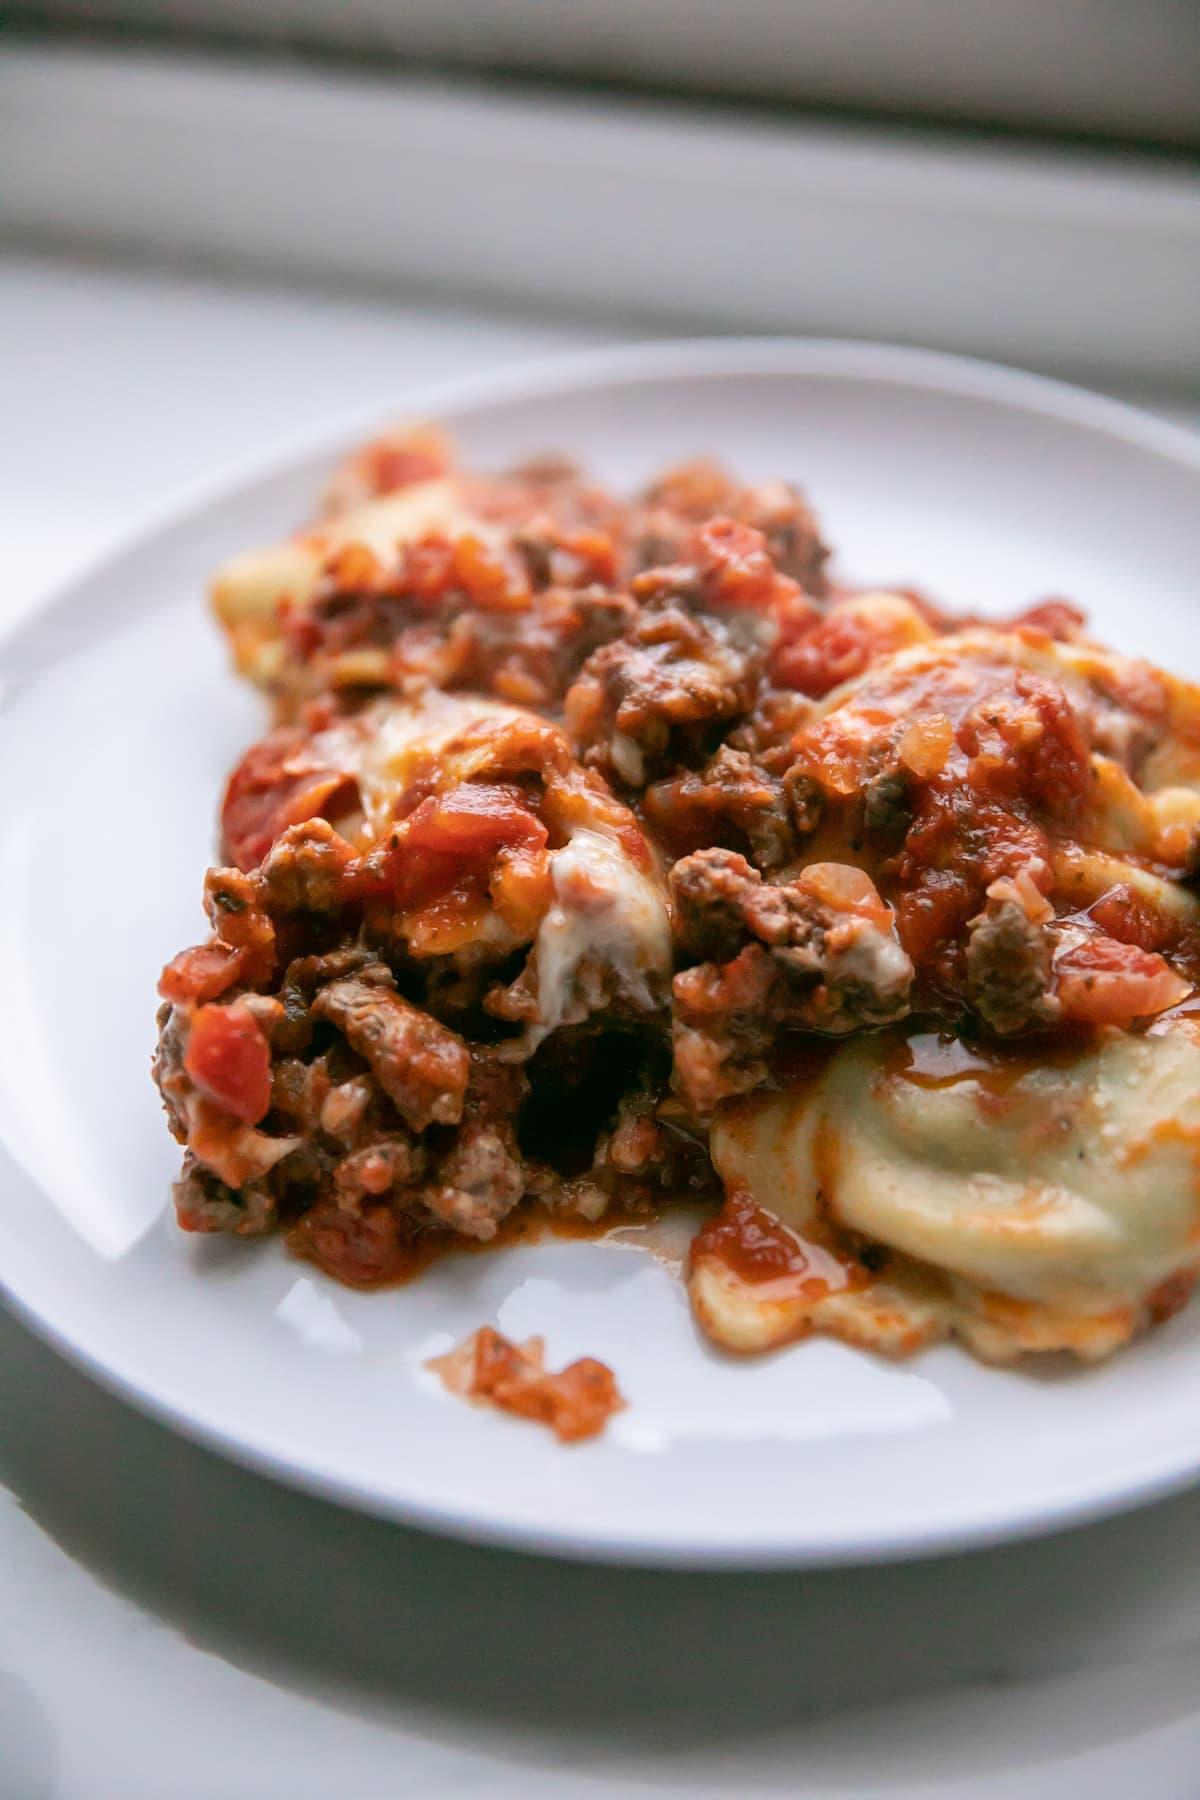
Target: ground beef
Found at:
1009, 969
166, 1067
648, 1153
304, 976
386, 1165
787, 523
481, 1182
303, 870
364, 1246
775, 957
420, 1065
311, 1053
725, 1022
709, 892
806, 802
887, 807
768, 734
732, 799
527, 655
378, 1212
482, 1177
204, 1203
648, 699
396, 1201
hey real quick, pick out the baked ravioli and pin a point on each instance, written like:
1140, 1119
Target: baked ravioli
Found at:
608, 853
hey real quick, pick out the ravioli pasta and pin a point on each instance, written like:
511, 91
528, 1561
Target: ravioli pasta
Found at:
1029, 1204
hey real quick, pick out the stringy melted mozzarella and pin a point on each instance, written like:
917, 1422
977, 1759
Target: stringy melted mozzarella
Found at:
609, 916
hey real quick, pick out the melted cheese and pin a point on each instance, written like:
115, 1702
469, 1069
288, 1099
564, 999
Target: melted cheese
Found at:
607, 933
1037, 1209
607, 913
435, 738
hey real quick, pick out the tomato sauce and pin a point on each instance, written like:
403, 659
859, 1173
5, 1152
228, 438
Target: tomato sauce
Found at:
764, 1253
366, 1249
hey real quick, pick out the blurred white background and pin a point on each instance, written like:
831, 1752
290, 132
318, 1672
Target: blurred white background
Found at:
1017, 180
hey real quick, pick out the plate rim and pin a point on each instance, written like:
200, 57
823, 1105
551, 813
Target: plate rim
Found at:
531, 380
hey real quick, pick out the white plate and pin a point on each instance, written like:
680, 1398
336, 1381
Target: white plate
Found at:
118, 723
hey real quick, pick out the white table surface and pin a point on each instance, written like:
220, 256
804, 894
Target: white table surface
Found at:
172, 1628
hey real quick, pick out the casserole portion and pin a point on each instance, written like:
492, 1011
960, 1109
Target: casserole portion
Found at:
610, 853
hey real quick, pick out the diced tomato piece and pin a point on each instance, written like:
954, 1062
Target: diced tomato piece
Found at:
1026, 742
735, 566
250, 811
835, 650
319, 713
1122, 913
303, 635
450, 842
487, 577
1060, 764
353, 568
498, 1360
575, 1403
229, 1060
388, 467
418, 878
1057, 618
1103, 982
596, 551
794, 619
200, 974
473, 820
264, 796
438, 568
